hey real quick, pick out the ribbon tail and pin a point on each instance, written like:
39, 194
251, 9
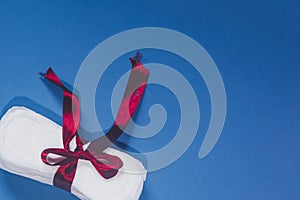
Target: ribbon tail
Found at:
71, 109
133, 94
51, 76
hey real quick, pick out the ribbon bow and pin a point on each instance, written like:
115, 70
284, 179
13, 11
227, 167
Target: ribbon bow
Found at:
106, 165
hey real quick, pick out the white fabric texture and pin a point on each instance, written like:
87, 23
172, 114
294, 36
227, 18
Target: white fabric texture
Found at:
24, 134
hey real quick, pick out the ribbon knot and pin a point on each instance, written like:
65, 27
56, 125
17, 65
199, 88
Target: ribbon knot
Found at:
106, 165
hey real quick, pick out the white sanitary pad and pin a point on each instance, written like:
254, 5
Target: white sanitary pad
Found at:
24, 134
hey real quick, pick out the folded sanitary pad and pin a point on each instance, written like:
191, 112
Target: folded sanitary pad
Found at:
24, 134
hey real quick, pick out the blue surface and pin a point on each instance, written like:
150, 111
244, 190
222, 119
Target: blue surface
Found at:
255, 45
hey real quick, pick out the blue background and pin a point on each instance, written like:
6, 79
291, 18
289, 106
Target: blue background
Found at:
255, 45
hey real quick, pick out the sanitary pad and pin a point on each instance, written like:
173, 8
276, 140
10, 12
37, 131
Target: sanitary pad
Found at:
24, 134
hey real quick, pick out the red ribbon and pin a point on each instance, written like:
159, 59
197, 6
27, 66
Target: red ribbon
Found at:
106, 165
